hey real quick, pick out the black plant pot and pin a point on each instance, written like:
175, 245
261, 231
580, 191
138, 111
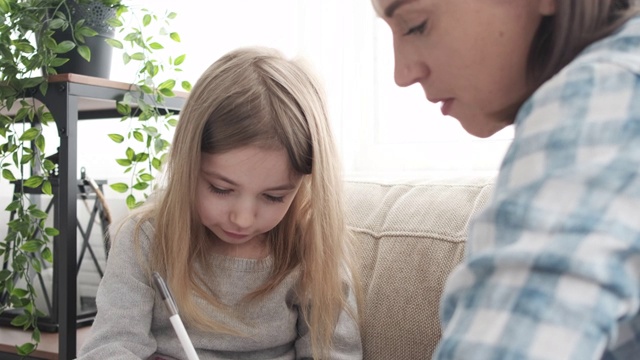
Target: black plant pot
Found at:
95, 15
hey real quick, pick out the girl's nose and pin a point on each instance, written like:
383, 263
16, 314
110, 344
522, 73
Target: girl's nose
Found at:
243, 214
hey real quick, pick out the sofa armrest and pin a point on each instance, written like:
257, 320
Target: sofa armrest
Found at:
409, 237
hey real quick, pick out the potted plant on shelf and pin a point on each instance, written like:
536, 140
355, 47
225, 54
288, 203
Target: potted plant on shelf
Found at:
33, 47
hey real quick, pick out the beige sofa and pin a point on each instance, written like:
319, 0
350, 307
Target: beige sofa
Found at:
411, 235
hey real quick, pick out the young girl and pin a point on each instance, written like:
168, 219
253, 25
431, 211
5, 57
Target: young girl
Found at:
553, 263
248, 232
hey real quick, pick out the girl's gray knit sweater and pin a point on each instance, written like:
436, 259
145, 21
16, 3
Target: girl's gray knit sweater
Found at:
133, 323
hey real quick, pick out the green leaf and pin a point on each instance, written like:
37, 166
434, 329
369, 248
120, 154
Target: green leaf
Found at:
123, 162
130, 153
40, 143
31, 246
116, 138
156, 46
146, 89
179, 60
47, 255
138, 136
36, 265
57, 24
114, 43
47, 188
38, 214
156, 163
20, 320
51, 231
4, 6
19, 292
7, 174
131, 201
137, 56
146, 177
49, 165
64, 47
26, 158
4, 274
59, 61
141, 186
168, 84
146, 20
86, 31
120, 187
35, 335
174, 36
85, 52
167, 92
13, 206
141, 157
30, 134
172, 15
46, 116
34, 181
25, 349
115, 22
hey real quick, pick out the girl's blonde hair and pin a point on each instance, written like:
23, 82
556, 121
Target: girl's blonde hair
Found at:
254, 96
575, 25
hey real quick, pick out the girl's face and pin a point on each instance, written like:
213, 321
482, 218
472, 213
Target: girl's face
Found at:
244, 193
468, 55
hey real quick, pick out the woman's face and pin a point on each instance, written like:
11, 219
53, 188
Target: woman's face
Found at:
468, 55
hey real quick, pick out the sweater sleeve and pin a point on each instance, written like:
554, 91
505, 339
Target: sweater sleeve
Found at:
122, 327
347, 344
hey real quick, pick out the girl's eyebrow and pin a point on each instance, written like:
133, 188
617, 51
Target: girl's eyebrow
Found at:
288, 186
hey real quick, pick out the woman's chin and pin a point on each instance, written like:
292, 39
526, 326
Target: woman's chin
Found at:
482, 127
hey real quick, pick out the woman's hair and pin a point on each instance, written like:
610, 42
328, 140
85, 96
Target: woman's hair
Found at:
575, 25
254, 96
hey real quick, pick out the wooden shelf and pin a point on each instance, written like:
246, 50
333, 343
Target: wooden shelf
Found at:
48, 347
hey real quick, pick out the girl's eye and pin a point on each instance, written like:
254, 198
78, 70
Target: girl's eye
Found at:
275, 199
218, 191
417, 30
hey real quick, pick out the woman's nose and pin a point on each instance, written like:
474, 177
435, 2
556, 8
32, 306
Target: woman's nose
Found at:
409, 68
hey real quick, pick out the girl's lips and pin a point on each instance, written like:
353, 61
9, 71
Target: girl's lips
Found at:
234, 235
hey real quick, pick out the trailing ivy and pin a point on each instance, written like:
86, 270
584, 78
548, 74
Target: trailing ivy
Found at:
147, 140
28, 54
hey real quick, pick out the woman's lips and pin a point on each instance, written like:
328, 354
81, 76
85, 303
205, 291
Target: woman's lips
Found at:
445, 106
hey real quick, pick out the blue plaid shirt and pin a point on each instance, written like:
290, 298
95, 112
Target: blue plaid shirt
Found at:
553, 263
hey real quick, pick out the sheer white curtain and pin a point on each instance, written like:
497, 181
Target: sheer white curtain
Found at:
382, 130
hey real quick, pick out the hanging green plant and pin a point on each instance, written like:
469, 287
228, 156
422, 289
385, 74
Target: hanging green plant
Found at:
150, 124
30, 51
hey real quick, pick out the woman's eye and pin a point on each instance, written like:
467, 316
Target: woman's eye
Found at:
275, 199
418, 29
219, 191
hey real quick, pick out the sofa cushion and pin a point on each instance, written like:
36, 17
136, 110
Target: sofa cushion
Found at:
409, 235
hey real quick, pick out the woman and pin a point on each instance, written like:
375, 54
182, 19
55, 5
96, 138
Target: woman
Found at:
553, 263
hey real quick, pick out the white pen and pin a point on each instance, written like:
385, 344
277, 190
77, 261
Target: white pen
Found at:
178, 326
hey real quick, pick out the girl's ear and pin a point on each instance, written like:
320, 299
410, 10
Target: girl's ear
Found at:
547, 7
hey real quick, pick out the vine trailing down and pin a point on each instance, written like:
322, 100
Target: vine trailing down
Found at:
29, 53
